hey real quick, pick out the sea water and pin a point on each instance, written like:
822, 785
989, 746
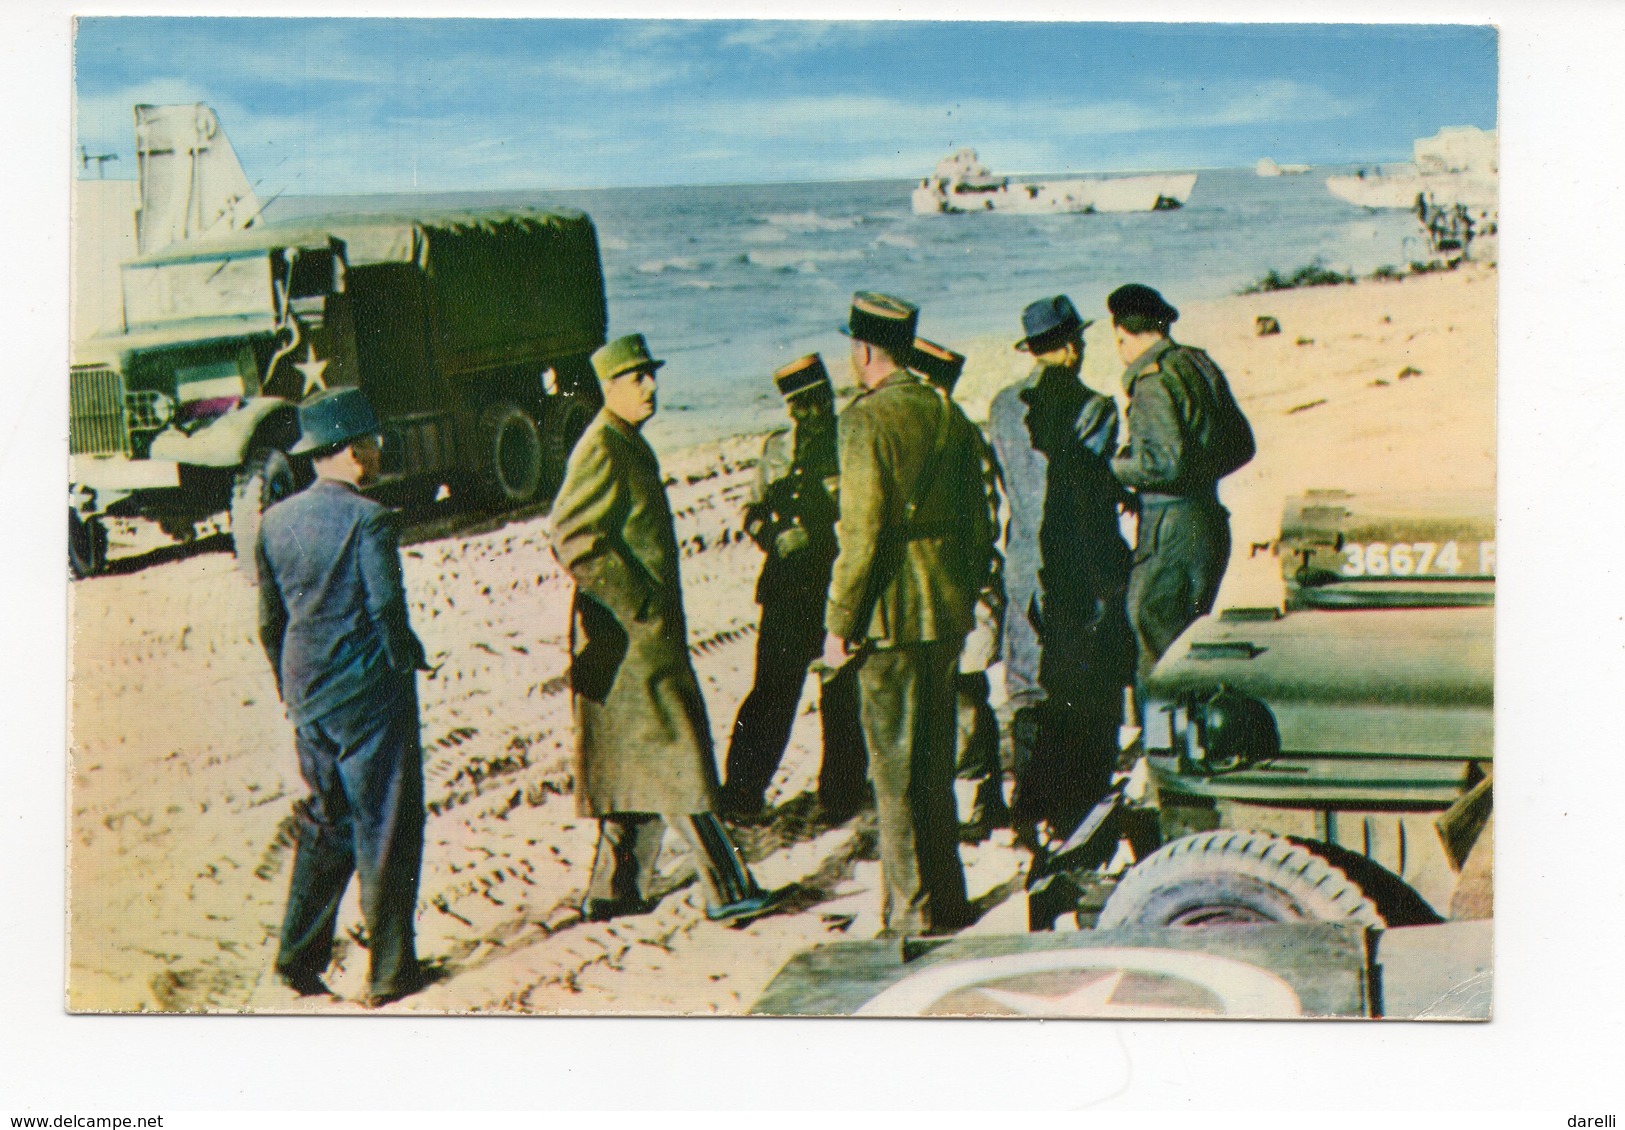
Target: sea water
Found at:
730, 282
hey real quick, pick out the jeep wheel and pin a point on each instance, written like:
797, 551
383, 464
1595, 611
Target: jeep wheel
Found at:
510, 466
265, 477
1229, 878
87, 545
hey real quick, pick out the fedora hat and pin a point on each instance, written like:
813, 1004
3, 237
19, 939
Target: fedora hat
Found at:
334, 417
941, 365
623, 355
1047, 322
883, 320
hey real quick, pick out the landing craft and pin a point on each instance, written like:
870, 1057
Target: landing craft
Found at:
962, 184
469, 330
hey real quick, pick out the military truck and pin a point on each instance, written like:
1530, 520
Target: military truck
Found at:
468, 330
1329, 760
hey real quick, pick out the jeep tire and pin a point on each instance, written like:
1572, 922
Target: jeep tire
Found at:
1229, 878
87, 545
266, 477
509, 467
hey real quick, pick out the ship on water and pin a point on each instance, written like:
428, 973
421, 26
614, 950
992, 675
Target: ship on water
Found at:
962, 184
1457, 165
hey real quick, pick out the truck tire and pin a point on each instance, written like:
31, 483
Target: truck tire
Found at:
1227, 878
266, 477
569, 418
87, 546
510, 455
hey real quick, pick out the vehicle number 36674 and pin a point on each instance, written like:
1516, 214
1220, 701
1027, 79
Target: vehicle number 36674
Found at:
1415, 559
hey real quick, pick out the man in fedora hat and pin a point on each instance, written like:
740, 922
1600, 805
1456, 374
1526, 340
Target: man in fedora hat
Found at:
978, 749
644, 758
791, 515
915, 542
334, 624
1186, 432
1067, 646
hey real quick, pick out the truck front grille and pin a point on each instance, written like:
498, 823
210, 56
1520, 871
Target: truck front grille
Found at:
96, 413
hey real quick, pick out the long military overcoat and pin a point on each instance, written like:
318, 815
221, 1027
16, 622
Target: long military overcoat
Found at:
643, 742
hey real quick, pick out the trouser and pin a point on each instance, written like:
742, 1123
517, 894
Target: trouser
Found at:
1073, 757
791, 637
978, 746
364, 815
623, 865
908, 726
1179, 559
1021, 649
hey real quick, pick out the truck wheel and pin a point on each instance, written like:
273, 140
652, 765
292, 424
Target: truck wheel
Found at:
266, 477
1229, 878
510, 454
569, 419
87, 545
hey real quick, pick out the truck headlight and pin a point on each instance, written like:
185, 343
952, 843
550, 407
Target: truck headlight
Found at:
1229, 730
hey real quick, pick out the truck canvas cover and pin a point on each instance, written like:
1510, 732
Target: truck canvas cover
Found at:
505, 286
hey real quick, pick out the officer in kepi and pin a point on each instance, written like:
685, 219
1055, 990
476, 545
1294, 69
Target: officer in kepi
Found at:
979, 760
334, 624
644, 759
915, 540
791, 515
1185, 433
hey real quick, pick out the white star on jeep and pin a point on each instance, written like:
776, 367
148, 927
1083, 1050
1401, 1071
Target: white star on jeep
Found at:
1092, 999
313, 370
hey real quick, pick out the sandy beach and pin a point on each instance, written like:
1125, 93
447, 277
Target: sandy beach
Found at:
182, 769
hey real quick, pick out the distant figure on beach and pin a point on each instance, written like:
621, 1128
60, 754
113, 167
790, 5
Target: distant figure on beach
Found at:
791, 515
334, 625
915, 542
1185, 433
1069, 650
643, 743
978, 748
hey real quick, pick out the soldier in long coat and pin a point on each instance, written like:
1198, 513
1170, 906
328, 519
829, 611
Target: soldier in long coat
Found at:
643, 741
915, 544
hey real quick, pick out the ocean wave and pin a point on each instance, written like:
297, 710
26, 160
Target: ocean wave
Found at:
798, 259
676, 263
612, 243
765, 234
809, 222
894, 241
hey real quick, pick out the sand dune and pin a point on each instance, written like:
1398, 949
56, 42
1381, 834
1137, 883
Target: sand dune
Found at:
182, 769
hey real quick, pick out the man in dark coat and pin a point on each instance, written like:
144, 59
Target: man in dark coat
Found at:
791, 515
1185, 433
915, 544
644, 758
334, 625
1079, 573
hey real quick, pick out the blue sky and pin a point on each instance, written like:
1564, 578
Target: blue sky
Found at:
338, 106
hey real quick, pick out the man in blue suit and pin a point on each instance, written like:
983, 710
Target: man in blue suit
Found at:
334, 625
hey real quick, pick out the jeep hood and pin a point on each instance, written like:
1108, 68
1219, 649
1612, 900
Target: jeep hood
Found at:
1399, 682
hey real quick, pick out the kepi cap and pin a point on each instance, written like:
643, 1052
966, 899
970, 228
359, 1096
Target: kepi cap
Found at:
1139, 301
334, 417
1047, 322
801, 377
941, 365
623, 355
883, 320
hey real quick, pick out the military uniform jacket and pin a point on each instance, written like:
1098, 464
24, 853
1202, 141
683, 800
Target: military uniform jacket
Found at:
333, 615
643, 742
1177, 399
930, 573
794, 488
